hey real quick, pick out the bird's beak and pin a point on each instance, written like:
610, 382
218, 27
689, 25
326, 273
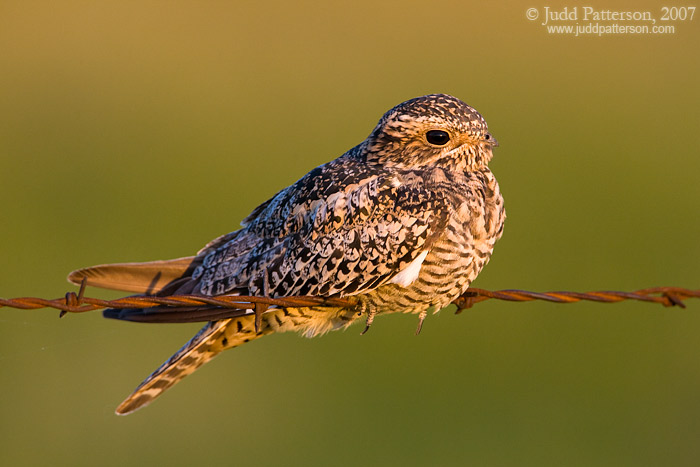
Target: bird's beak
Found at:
491, 140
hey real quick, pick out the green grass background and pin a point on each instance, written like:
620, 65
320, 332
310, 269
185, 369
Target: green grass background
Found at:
134, 131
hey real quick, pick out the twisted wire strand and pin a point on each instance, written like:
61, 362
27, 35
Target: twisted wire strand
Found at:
231, 305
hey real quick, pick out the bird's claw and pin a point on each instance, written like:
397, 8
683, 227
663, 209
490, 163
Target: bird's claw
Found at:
370, 319
421, 318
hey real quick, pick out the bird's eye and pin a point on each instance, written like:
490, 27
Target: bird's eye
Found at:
437, 137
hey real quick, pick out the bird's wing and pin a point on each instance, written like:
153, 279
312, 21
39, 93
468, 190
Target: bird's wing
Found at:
343, 243
152, 277
146, 278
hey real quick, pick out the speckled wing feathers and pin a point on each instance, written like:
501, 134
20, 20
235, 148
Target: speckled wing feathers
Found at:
335, 232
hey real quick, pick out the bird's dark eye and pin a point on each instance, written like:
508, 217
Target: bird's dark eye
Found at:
437, 137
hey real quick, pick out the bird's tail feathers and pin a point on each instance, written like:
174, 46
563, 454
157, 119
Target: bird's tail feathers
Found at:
211, 340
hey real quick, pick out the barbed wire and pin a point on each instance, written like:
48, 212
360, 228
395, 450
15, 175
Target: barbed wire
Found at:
666, 296
175, 308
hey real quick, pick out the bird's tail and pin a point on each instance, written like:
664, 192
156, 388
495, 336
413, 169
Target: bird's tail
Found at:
173, 276
213, 338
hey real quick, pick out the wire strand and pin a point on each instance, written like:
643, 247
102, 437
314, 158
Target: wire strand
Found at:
233, 304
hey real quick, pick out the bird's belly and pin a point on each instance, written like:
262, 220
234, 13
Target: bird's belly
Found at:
452, 264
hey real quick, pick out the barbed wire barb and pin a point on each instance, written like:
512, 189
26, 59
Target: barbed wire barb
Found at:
175, 308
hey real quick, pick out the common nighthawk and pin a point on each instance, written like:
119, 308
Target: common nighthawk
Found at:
402, 222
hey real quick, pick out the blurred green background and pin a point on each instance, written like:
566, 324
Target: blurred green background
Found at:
133, 131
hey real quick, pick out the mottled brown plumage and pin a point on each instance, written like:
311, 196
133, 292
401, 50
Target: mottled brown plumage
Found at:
403, 222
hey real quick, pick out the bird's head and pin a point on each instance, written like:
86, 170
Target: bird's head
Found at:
429, 131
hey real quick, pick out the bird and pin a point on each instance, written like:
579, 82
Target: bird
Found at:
401, 223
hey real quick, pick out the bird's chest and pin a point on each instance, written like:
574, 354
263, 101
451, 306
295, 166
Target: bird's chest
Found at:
456, 256
466, 244
476, 217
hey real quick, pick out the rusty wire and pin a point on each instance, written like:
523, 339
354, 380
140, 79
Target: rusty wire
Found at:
231, 305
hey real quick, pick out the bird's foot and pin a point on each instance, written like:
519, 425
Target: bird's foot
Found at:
421, 318
370, 319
